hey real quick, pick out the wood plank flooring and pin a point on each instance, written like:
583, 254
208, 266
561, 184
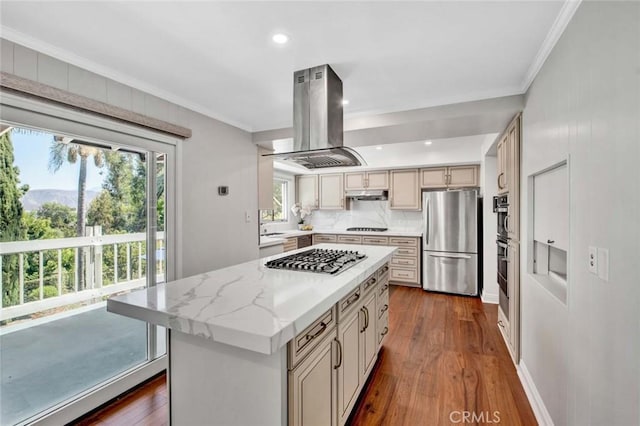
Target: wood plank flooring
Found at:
442, 363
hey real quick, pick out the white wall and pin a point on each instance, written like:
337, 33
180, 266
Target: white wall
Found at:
212, 232
489, 230
584, 357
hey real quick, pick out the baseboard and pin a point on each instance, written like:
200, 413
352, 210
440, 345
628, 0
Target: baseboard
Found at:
489, 298
537, 405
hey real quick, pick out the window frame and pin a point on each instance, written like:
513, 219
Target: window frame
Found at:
264, 214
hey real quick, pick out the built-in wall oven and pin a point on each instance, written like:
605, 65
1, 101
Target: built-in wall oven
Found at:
501, 208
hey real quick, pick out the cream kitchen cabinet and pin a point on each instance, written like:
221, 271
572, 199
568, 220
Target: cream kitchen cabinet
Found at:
449, 177
307, 191
331, 189
348, 370
378, 179
503, 160
368, 335
404, 190
312, 382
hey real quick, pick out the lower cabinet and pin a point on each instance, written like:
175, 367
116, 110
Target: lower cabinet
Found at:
326, 377
313, 388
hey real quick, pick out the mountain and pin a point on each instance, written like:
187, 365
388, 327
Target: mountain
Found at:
35, 198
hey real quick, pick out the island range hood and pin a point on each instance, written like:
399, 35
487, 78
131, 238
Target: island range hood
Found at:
318, 122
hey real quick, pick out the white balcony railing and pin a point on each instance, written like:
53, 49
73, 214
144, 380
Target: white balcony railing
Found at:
100, 278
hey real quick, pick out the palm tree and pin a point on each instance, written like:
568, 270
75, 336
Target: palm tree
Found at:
64, 150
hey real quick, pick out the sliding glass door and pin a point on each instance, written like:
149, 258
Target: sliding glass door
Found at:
82, 219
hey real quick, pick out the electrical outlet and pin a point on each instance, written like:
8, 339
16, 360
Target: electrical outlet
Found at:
603, 264
593, 260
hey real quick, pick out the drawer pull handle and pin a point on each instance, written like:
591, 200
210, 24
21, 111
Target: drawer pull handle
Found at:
323, 327
500, 324
384, 331
384, 288
384, 309
369, 283
352, 299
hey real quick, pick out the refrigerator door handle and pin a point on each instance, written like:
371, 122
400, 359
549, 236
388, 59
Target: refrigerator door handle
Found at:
448, 256
426, 215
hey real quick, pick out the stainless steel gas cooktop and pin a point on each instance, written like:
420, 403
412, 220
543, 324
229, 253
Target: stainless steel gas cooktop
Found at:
318, 260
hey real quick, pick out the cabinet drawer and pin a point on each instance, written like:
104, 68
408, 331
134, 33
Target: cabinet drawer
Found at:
346, 304
383, 327
383, 273
375, 241
406, 251
384, 288
404, 274
350, 239
309, 338
403, 241
404, 261
324, 238
290, 244
383, 304
370, 283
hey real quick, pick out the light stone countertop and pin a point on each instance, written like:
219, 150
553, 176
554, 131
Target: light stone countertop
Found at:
248, 305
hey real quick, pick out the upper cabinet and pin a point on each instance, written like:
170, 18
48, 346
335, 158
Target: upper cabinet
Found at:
378, 179
307, 191
404, 191
449, 177
503, 160
265, 180
331, 188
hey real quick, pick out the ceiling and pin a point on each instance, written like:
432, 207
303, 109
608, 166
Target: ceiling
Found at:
218, 57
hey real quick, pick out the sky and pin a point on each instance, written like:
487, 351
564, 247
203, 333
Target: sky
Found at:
31, 156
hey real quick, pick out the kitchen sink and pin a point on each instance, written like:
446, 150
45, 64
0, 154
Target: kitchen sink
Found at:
272, 233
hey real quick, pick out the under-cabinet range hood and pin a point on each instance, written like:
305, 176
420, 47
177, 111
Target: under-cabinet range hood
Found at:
367, 195
318, 121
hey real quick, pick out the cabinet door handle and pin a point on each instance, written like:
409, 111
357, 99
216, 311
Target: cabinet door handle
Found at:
499, 176
550, 241
384, 331
384, 288
340, 352
364, 327
500, 324
366, 317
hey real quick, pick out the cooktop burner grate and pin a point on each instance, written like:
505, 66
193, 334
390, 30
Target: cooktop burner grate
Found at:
318, 260
367, 229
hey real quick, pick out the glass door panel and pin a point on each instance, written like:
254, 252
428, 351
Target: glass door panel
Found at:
75, 230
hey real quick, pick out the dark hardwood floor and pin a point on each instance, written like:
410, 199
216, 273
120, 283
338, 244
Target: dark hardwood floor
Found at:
443, 362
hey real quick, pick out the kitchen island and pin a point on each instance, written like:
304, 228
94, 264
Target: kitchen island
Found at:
246, 340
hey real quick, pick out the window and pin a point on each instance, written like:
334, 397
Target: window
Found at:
280, 210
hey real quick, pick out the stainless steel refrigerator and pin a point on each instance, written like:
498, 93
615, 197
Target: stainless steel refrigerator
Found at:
450, 241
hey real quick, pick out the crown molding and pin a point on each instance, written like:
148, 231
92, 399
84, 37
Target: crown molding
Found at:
555, 32
108, 72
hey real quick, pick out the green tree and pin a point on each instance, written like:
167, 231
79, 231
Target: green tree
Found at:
101, 212
61, 217
10, 216
63, 150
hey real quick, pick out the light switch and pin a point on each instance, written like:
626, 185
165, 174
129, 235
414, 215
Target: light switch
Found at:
603, 264
593, 260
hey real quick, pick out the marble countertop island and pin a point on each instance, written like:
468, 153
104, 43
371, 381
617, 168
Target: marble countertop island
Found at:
248, 306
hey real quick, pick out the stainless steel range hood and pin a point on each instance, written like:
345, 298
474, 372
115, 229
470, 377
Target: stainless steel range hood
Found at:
318, 122
367, 194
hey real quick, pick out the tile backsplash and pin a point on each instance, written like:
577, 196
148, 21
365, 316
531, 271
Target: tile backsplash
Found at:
367, 214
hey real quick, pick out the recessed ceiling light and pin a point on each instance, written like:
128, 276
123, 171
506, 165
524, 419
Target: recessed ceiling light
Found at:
428, 142
345, 102
378, 148
280, 38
